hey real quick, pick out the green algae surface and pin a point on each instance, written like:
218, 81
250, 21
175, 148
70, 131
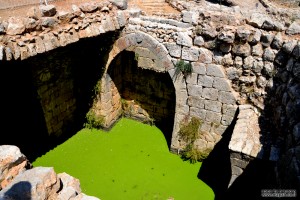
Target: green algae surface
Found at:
130, 162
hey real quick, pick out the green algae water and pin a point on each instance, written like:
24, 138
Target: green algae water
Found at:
131, 162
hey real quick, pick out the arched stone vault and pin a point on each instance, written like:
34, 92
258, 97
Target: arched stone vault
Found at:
206, 93
151, 55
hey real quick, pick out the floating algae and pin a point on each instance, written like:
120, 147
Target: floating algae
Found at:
131, 162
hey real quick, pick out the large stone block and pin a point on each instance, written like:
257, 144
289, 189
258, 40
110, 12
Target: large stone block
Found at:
184, 39
206, 81
215, 70
190, 54
210, 93
221, 84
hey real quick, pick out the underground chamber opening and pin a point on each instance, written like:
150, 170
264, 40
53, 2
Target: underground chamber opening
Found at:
146, 95
45, 98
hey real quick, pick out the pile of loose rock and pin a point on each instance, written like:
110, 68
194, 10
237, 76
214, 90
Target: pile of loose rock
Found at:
19, 180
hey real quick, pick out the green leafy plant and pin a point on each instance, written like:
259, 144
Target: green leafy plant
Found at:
92, 121
183, 67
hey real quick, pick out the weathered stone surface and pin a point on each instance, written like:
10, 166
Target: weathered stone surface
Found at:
293, 29
221, 84
15, 26
122, 19
272, 25
88, 7
49, 22
174, 49
255, 37
246, 134
194, 90
206, 81
12, 163
269, 55
226, 97
36, 183
225, 48
257, 19
76, 10
215, 70
227, 37
268, 69
207, 31
210, 93
213, 117
288, 46
34, 13
266, 39
199, 68
65, 16
243, 33
277, 41
257, 50
205, 56
121, 4
242, 49
2, 53
184, 39
248, 62
199, 41
190, 54
48, 10
190, 17
70, 186
213, 105
196, 101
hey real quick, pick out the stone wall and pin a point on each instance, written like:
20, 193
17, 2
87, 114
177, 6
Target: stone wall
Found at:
256, 52
237, 58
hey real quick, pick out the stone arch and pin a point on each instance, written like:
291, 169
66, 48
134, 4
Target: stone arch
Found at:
150, 55
138, 41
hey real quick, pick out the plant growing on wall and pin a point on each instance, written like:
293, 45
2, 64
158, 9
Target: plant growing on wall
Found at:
189, 132
194, 155
93, 121
182, 67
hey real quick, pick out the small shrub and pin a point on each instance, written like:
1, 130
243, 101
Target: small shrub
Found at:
194, 155
183, 67
92, 121
189, 132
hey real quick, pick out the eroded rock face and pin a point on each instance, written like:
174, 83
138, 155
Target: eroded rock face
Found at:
15, 26
35, 183
41, 183
12, 163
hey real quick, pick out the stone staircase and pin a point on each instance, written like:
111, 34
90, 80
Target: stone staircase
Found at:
153, 7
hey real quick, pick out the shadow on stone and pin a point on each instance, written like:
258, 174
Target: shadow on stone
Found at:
146, 95
258, 175
216, 168
20, 190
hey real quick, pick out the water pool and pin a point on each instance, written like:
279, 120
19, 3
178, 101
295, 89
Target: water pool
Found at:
130, 162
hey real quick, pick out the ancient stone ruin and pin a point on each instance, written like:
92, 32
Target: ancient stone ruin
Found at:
245, 76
